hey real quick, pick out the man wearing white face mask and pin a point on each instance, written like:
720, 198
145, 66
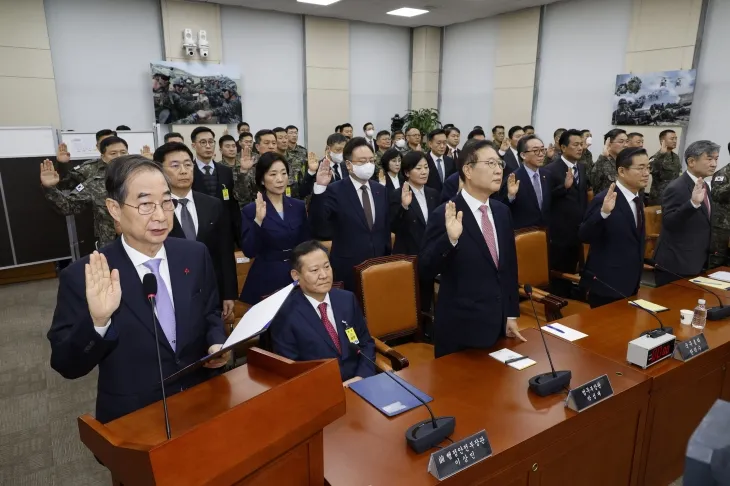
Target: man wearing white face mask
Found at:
369, 131
354, 211
587, 157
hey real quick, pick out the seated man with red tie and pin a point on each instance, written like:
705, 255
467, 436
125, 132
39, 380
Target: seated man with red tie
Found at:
317, 321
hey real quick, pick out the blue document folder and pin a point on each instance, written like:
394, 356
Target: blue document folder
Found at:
388, 396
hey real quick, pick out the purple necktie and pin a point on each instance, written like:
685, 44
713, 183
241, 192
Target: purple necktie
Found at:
165, 310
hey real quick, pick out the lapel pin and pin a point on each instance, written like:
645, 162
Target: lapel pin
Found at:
187, 271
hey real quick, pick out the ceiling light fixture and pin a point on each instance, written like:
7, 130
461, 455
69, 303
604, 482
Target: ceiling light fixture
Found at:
323, 3
407, 12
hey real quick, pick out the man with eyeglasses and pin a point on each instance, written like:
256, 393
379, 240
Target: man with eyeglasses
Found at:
527, 190
413, 140
354, 210
614, 227
94, 326
383, 143
440, 166
215, 179
470, 242
604, 170
199, 217
568, 202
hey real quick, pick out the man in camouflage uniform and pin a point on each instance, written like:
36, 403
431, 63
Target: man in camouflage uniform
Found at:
399, 142
229, 109
665, 166
169, 105
587, 157
296, 155
91, 191
497, 138
244, 187
553, 150
382, 142
604, 170
229, 153
720, 194
413, 139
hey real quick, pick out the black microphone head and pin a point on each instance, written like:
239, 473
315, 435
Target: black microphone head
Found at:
650, 262
149, 285
353, 347
528, 289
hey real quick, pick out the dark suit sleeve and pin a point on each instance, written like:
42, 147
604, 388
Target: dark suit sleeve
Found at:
514, 290
396, 212
214, 324
251, 233
233, 209
226, 255
451, 187
306, 184
676, 208
305, 232
367, 345
283, 341
76, 347
593, 226
437, 250
322, 210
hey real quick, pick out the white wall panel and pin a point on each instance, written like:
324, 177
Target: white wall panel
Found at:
379, 74
583, 48
712, 89
467, 76
272, 82
101, 54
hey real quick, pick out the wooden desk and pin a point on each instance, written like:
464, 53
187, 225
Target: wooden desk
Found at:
682, 393
536, 441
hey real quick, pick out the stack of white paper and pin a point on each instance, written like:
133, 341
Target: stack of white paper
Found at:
506, 354
724, 276
563, 332
258, 317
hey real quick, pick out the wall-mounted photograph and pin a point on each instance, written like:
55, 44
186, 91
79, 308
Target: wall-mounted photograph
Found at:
195, 93
662, 98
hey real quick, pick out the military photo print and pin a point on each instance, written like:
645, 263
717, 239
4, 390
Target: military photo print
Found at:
188, 93
662, 98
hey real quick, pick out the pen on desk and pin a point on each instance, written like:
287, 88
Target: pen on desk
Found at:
514, 360
555, 329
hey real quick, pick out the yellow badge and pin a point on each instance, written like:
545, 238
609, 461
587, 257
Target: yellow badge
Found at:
225, 193
351, 335
288, 191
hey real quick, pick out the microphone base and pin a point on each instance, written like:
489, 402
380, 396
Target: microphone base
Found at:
718, 313
655, 333
423, 436
547, 384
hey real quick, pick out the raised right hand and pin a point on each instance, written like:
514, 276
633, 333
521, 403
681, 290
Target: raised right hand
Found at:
62, 154
605, 147
569, 179
103, 291
663, 148
260, 209
513, 186
246, 160
698, 192
312, 162
49, 176
505, 145
551, 151
406, 196
453, 221
609, 202
324, 174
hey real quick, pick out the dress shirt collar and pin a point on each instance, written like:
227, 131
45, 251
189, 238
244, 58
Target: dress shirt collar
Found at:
569, 164
315, 303
188, 196
436, 157
201, 165
139, 258
514, 152
626, 192
473, 203
419, 191
359, 184
693, 177
531, 172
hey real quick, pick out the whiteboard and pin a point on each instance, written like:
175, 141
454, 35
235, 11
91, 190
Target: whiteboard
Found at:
83, 145
27, 141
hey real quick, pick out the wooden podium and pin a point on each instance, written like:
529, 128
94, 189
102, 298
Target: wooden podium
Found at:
259, 424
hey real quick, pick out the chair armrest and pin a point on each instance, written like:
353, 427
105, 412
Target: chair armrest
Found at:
572, 277
397, 360
552, 303
652, 236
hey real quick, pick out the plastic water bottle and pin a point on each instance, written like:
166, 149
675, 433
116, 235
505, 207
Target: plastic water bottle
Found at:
700, 317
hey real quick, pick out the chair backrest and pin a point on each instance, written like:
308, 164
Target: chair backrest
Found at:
387, 288
653, 219
532, 257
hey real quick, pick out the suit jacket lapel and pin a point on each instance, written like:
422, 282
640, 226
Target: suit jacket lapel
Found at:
312, 318
182, 292
416, 206
205, 216
472, 228
354, 198
527, 181
624, 208
376, 189
342, 319
271, 212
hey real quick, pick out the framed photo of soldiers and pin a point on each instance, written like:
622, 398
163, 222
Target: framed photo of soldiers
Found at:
195, 93
662, 98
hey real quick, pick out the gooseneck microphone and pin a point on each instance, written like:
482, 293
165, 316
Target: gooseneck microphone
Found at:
423, 435
547, 383
149, 285
713, 313
660, 331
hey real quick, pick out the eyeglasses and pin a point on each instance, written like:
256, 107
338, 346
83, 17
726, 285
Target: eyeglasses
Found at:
148, 208
206, 143
491, 163
538, 151
176, 167
643, 169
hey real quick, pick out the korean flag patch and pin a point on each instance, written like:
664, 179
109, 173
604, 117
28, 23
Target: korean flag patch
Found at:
720, 179
79, 188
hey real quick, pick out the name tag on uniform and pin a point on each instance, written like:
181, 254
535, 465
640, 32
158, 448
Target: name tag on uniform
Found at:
288, 191
351, 334
720, 179
79, 188
225, 193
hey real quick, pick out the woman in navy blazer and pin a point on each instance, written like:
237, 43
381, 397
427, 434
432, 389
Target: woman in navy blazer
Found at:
271, 227
391, 174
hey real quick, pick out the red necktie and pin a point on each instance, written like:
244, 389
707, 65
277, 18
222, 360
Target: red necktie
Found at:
328, 325
707, 200
488, 233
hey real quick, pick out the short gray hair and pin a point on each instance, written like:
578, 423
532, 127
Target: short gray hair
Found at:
121, 169
696, 149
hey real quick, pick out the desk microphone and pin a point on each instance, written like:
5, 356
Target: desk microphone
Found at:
654, 333
426, 434
149, 285
713, 313
547, 383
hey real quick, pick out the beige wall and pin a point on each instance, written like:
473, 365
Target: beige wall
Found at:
26, 71
327, 54
514, 73
426, 67
180, 15
662, 38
